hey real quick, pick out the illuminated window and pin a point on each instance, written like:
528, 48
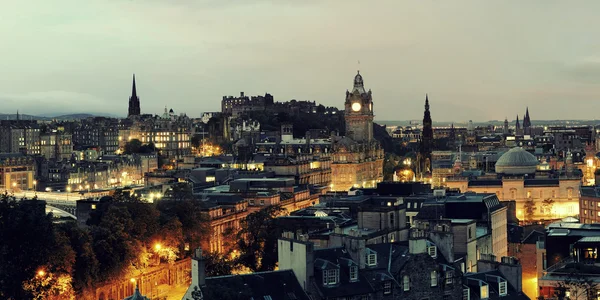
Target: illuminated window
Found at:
406, 283
484, 291
93, 206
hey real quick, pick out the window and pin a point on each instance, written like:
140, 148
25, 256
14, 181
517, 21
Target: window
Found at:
406, 283
434, 278
585, 203
93, 206
449, 275
528, 194
331, 277
432, 251
387, 288
570, 193
372, 259
466, 294
502, 289
262, 202
484, 291
353, 273
392, 220
478, 254
408, 206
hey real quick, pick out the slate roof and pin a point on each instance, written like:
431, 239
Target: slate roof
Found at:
326, 258
276, 285
473, 280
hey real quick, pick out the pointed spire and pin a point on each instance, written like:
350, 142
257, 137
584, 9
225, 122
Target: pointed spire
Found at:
426, 102
18, 115
133, 90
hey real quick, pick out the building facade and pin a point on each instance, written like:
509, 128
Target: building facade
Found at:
358, 157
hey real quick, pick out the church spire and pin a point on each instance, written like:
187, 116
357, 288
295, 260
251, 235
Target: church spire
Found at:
133, 90
426, 102
134, 101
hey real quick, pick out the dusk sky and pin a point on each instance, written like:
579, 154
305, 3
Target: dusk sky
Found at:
478, 60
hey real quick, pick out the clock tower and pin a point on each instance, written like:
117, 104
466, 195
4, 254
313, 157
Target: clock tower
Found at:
359, 112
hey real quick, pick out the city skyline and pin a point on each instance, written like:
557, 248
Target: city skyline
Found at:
536, 56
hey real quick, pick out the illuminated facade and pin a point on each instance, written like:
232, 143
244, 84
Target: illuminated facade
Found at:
16, 172
564, 191
357, 157
170, 133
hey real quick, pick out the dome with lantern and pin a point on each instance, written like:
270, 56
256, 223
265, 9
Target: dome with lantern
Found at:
516, 161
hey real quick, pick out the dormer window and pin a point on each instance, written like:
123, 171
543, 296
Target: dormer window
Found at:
372, 259
502, 288
331, 277
484, 291
466, 294
387, 288
432, 251
406, 283
353, 273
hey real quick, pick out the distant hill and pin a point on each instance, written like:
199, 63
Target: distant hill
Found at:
60, 117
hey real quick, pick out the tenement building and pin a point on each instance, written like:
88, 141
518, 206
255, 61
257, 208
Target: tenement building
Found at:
358, 157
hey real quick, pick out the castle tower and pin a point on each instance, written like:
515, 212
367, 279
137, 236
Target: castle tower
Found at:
134, 101
505, 129
359, 112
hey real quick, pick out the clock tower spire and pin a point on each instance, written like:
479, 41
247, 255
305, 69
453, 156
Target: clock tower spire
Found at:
359, 112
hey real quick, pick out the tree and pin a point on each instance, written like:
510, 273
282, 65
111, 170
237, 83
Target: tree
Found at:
133, 146
258, 239
579, 286
547, 206
529, 207
30, 249
85, 271
218, 264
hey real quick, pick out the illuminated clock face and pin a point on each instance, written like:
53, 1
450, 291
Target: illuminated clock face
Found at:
356, 106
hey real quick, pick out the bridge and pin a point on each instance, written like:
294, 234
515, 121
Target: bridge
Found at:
60, 204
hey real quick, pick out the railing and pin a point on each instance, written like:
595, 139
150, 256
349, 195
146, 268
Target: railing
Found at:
560, 264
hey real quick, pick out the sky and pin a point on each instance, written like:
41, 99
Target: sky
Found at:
477, 60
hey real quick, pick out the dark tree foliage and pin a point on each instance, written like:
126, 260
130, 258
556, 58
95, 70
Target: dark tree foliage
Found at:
85, 272
258, 239
135, 146
218, 264
28, 244
194, 223
114, 247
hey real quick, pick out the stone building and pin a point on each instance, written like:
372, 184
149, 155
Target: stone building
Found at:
357, 157
56, 145
16, 172
517, 179
19, 136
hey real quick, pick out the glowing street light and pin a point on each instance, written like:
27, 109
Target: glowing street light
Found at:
132, 280
41, 272
157, 246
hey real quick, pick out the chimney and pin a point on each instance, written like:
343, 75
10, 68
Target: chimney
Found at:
417, 242
241, 94
198, 269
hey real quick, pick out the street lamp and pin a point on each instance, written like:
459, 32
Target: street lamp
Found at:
68, 191
41, 272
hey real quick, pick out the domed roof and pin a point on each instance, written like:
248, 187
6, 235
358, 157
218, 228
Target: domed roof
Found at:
517, 161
